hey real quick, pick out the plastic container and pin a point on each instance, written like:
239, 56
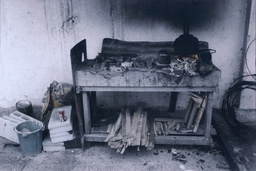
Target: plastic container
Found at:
30, 137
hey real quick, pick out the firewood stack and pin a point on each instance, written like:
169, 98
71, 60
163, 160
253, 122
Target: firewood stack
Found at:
166, 126
131, 130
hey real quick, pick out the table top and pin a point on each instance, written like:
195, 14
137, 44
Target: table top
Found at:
144, 80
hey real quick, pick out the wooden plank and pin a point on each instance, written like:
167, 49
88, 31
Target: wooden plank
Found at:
188, 110
128, 137
147, 89
139, 118
199, 115
99, 137
183, 140
144, 132
101, 129
135, 120
151, 134
192, 114
115, 128
134, 78
123, 122
128, 125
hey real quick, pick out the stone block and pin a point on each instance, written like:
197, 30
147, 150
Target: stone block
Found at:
55, 121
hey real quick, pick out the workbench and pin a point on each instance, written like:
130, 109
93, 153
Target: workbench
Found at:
87, 84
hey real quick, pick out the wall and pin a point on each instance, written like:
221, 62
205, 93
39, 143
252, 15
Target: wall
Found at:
248, 97
36, 36
36, 40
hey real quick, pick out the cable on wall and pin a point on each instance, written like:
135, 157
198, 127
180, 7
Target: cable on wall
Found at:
228, 102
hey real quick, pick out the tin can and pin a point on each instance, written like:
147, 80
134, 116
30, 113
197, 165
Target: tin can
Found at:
25, 107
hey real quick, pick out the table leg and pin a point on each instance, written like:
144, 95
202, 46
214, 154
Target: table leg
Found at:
208, 116
87, 113
173, 101
93, 103
78, 102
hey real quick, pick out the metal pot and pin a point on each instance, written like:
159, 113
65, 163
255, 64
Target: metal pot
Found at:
186, 44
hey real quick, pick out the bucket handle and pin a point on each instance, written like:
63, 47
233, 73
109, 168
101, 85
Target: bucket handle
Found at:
43, 128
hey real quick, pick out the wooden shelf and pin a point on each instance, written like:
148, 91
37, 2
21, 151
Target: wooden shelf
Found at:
179, 139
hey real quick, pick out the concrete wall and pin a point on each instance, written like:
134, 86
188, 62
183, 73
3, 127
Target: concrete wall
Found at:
248, 97
37, 35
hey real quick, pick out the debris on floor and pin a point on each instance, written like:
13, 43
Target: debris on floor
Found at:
177, 156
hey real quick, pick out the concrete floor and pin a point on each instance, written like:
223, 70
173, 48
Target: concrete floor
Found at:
238, 142
101, 157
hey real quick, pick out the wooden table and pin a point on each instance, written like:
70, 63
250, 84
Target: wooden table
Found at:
88, 83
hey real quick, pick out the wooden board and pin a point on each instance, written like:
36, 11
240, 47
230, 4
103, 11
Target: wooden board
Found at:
199, 115
144, 131
146, 78
137, 139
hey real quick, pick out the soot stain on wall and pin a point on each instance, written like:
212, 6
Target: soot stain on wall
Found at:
174, 13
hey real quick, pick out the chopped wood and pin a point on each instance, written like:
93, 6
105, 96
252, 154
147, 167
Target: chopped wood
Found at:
199, 114
135, 120
131, 130
109, 127
151, 134
144, 129
193, 113
127, 137
115, 142
167, 126
136, 141
128, 125
123, 122
115, 128
188, 111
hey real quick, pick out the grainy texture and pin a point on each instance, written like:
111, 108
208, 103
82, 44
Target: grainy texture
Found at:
100, 157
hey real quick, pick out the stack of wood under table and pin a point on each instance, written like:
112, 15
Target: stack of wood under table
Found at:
131, 129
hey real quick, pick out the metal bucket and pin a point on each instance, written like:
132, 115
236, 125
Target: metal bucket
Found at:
30, 137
